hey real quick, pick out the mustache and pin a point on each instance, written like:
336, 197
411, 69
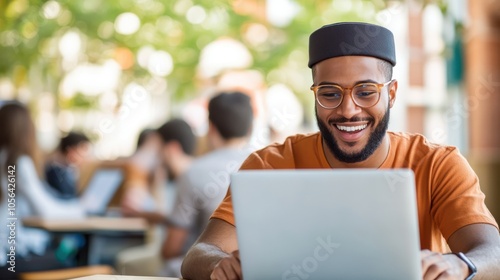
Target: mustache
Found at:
346, 120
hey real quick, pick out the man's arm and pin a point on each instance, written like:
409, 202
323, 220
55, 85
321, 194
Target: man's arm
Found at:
479, 242
172, 246
215, 244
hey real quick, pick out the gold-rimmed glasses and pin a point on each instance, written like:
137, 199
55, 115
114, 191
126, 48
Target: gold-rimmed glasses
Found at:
364, 95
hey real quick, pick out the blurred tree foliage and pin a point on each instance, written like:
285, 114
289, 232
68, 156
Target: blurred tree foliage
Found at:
29, 38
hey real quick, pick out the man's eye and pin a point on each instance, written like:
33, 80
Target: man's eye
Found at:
330, 95
365, 94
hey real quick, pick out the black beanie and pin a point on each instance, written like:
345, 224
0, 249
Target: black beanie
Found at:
351, 38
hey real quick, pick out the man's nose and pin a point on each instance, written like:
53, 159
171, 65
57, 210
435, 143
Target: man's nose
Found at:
348, 108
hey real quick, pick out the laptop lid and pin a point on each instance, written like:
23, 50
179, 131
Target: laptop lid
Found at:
327, 224
100, 189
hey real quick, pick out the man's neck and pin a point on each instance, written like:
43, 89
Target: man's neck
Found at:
374, 161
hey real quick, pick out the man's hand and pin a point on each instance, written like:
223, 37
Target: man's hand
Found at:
436, 266
228, 268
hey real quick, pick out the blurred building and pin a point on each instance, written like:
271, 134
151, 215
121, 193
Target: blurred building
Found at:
454, 83
482, 42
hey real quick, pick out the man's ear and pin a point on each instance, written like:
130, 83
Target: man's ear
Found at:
393, 89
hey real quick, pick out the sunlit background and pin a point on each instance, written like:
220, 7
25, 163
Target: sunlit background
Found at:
112, 68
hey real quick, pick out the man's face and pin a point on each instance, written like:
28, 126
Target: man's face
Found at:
352, 133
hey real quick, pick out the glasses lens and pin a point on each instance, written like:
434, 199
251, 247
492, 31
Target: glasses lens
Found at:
365, 95
329, 96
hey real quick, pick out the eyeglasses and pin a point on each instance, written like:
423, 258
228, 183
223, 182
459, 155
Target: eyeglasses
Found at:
364, 95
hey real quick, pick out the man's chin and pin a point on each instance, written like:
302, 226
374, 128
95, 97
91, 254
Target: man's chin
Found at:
349, 146
350, 152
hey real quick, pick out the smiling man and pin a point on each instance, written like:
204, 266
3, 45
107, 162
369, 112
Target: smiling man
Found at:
354, 91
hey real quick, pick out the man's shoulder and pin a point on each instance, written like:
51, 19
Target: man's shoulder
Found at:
404, 141
286, 154
302, 139
293, 142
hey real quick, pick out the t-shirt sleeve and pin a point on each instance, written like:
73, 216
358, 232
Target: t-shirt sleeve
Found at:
225, 209
457, 199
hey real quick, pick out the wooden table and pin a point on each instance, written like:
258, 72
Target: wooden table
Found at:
123, 277
88, 227
90, 224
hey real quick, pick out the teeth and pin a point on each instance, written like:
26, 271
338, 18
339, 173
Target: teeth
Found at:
351, 128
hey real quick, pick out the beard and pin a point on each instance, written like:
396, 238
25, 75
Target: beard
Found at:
374, 141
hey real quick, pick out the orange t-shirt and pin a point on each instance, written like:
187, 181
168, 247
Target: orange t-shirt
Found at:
448, 193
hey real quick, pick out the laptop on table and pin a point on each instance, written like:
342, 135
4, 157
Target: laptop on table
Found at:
100, 190
327, 224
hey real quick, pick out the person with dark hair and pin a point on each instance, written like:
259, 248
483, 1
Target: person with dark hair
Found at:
62, 170
143, 175
145, 136
354, 92
231, 114
20, 184
179, 146
203, 186
180, 132
165, 152
174, 143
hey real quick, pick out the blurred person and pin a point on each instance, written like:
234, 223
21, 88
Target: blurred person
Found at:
22, 188
354, 91
204, 184
177, 149
142, 174
62, 169
167, 150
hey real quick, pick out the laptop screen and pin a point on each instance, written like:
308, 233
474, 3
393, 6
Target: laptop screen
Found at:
327, 224
100, 190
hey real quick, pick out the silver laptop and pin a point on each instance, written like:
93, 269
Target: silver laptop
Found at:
327, 224
100, 189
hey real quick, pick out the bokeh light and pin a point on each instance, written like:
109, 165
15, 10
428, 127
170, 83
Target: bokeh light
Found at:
70, 45
91, 79
196, 15
51, 9
256, 34
160, 63
223, 54
127, 23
